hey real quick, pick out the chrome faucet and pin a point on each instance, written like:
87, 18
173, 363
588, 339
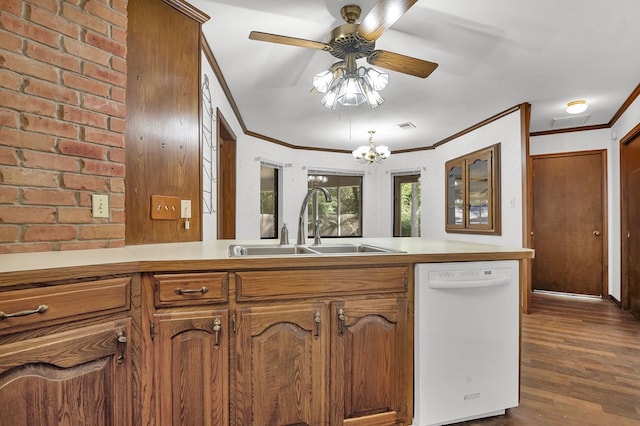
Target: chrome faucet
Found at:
316, 221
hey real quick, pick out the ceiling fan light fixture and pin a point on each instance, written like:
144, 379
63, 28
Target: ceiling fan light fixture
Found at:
373, 98
376, 79
351, 92
576, 107
322, 81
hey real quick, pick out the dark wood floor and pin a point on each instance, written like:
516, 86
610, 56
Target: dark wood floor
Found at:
580, 365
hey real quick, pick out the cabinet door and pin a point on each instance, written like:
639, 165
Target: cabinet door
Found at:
369, 362
281, 365
77, 377
192, 361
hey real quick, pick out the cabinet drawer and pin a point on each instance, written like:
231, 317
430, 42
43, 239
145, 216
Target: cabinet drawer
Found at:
190, 289
23, 309
293, 284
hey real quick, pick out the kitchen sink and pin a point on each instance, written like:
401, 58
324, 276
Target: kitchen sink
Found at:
236, 250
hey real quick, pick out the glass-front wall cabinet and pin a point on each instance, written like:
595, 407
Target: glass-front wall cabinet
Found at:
473, 193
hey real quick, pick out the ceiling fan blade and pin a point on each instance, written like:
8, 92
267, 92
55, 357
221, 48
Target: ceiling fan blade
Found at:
402, 63
292, 41
383, 15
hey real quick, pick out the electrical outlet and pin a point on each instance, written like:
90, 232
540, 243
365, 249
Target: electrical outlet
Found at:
185, 209
99, 205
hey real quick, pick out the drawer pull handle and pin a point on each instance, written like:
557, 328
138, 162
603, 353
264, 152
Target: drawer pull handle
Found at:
202, 290
41, 309
217, 324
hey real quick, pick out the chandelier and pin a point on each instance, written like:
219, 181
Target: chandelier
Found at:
371, 153
347, 84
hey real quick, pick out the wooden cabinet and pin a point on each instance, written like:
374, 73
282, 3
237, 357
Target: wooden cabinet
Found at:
281, 365
192, 362
188, 348
473, 192
76, 377
368, 362
331, 360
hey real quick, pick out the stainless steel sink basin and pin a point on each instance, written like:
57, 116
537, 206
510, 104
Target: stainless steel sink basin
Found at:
280, 250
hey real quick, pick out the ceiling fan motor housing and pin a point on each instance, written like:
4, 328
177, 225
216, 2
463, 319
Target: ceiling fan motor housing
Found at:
345, 39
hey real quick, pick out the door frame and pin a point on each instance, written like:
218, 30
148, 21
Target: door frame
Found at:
226, 182
632, 136
604, 203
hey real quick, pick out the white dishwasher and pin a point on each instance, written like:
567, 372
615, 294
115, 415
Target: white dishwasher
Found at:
466, 340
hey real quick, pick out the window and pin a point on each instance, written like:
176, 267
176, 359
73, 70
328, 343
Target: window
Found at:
269, 201
406, 205
342, 217
473, 193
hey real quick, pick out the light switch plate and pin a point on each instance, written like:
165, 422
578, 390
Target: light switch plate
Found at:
185, 209
99, 205
164, 207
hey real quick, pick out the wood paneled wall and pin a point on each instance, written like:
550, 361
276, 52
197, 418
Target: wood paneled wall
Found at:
163, 155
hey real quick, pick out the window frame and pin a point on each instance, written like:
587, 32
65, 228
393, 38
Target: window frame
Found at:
334, 190
398, 180
277, 171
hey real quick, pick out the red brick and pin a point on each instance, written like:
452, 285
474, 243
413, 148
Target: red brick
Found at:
49, 126
41, 160
116, 124
83, 116
52, 56
105, 12
48, 197
84, 182
119, 34
103, 105
117, 216
12, 6
83, 245
116, 201
8, 195
18, 214
47, 90
27, 66
119, 5
29, 30
50, 233
85, 51
117, 185
101, 232
105, 44
28, 177
9, 233
117, 155
118, 94
85, 84
26, 103
116, 243
53, 21
9, 118
74, 215
50, 5
8, 156
102, 168
11, 42
10, 80
21, 139
104, 74
82, 149
103, 137
86, 20
26, 248
85, 199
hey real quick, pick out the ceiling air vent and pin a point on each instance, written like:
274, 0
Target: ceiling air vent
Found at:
406, 126
571, 121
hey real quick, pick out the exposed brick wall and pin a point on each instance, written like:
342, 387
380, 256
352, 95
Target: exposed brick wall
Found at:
63, 80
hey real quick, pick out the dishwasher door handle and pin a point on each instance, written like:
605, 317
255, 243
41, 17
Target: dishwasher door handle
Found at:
446, 284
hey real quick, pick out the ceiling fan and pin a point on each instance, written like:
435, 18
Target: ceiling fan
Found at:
352, 41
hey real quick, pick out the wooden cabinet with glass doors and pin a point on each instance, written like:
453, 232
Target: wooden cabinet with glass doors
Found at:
473, 192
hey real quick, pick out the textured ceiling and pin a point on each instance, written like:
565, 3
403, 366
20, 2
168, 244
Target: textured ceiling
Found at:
492, 55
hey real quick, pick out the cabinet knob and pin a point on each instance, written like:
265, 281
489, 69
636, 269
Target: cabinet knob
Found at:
596, 233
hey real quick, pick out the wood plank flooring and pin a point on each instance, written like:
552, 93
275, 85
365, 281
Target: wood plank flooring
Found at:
580, 365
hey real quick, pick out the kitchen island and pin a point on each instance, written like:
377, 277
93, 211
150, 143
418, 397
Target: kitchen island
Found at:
185, 334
